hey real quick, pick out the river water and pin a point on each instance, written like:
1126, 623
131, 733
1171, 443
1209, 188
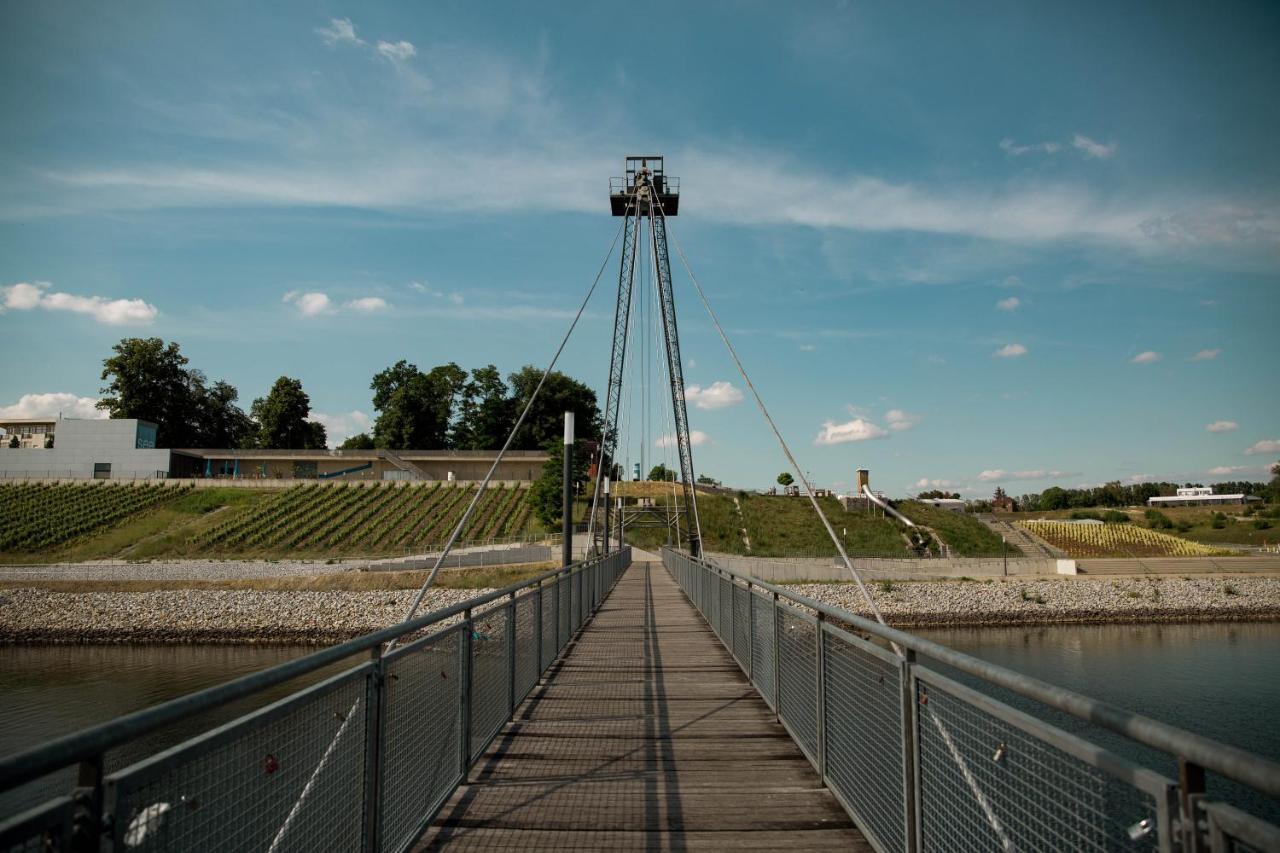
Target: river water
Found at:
1220, 680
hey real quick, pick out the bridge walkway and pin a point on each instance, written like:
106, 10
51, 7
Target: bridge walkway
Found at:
645, 735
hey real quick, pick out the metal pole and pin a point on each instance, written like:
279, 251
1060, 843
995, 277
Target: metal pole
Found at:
606, 515
622, 526
1004, 555
566, 522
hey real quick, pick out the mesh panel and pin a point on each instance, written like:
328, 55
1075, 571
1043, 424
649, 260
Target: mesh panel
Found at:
295, 782
527, 668
725, 629
797, 650
488, 677
566, 618
49, 828
742, 625
864, 738
1034, 796
763, 671
420, 758
549, 646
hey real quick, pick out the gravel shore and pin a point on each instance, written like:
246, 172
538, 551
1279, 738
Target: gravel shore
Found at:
1052, 601
243, 616
207, 616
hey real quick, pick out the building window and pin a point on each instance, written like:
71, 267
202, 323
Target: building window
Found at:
102, 470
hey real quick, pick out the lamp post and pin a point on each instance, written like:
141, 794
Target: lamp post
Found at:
1004, 554
566, 523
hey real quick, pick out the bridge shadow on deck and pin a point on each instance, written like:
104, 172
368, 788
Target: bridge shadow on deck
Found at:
644, 736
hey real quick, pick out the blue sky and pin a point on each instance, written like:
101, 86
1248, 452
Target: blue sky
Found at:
990, 244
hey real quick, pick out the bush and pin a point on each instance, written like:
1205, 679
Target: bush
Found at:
1081, 514
1261, 524
1111, 516
1158, 520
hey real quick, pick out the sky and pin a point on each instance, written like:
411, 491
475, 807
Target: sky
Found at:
960, 245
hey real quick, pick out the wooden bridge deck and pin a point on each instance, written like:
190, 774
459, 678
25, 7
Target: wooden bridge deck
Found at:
645, 735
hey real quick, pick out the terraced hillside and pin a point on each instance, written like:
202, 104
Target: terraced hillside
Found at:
779, 526
1117, 540
37, 516
367, 519
963, 534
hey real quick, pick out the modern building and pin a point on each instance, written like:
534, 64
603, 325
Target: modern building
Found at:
1199, 496
30, 433
950, 504
122, 448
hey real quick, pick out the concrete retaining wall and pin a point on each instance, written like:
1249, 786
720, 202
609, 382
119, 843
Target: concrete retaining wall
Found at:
825, 569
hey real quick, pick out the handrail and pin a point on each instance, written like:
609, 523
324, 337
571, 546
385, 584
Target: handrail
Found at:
1229, 761
21, 767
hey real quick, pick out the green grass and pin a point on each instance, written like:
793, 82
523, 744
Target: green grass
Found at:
966, 536
784, 526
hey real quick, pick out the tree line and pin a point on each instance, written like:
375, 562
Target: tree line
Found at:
445, 407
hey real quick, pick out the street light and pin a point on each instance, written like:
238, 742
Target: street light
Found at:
1004, 554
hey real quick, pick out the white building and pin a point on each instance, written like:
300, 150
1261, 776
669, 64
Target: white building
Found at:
119, 448
1199, 496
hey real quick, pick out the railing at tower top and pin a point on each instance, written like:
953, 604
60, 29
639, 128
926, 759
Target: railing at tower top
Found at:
360, 761
924, 762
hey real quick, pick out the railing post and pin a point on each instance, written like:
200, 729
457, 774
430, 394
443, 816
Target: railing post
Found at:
820, 684
1191, 788
374, 737
464, 668
910, 752
86, 822
537, 627
777, 661
751, 635
511, 655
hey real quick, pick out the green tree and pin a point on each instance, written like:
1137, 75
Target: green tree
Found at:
415, 408
485, 414
662, 474
359, 441
148, 379
704, 480
282, 418
547, 492
13, 442
1053, 498
785, 479
545, 421
220, 422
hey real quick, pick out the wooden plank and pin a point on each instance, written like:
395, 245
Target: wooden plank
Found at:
645, 735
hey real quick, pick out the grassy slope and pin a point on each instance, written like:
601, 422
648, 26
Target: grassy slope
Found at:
166, 532
784, 526
967, 536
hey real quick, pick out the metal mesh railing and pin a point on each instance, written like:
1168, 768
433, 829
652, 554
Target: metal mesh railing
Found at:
362, 760
924, 763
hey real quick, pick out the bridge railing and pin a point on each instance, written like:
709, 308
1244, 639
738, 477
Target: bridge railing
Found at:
361, 760
927, 760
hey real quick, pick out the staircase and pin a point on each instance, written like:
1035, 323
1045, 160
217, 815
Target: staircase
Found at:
404, 465
1028, 543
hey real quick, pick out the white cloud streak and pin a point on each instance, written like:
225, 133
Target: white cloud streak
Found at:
1010, 304
858, 429
1096, 150
1206, 355
1267, 445
368, 304
717, 395
339, 31
1227, 470
1000, 475
27, 296
900, 421
1010, 351
1148, 357
696, 438
1223, 426
51, 405
310, 304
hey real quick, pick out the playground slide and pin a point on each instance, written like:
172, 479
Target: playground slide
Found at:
884, 505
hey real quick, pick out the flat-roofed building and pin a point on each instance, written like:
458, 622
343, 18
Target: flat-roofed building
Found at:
105, 449
1199, 496
28, 433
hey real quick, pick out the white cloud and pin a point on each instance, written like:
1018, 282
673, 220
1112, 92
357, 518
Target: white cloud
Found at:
1206, 355
368, 304
1148, 357
1010, 304
696, 437
807, 347
1225, 470
339, 31
858, 429
996, 474
1267, 445
1092, 149
51, 405
339, 427
717, 395
1223, 426
1011, 281
310, 304
453, 297
900, 421
924, 483
26, 296
396, 51
1010, 351
1010, 146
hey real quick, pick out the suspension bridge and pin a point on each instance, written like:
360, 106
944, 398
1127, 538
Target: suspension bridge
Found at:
638, 701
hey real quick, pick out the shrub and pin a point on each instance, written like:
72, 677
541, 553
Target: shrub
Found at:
1112, 516
1261, 524
1158, 520
1081, 514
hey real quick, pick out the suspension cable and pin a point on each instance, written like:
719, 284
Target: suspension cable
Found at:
466, 516
808, 489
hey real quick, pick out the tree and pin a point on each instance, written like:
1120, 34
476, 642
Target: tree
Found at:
704, 480
547, 492
486, 413
13, 442
414, 408
148, 379
1053, 498
359, 441
785, 479
220, 422
545, 421
934, 494
662, 474
282, 418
